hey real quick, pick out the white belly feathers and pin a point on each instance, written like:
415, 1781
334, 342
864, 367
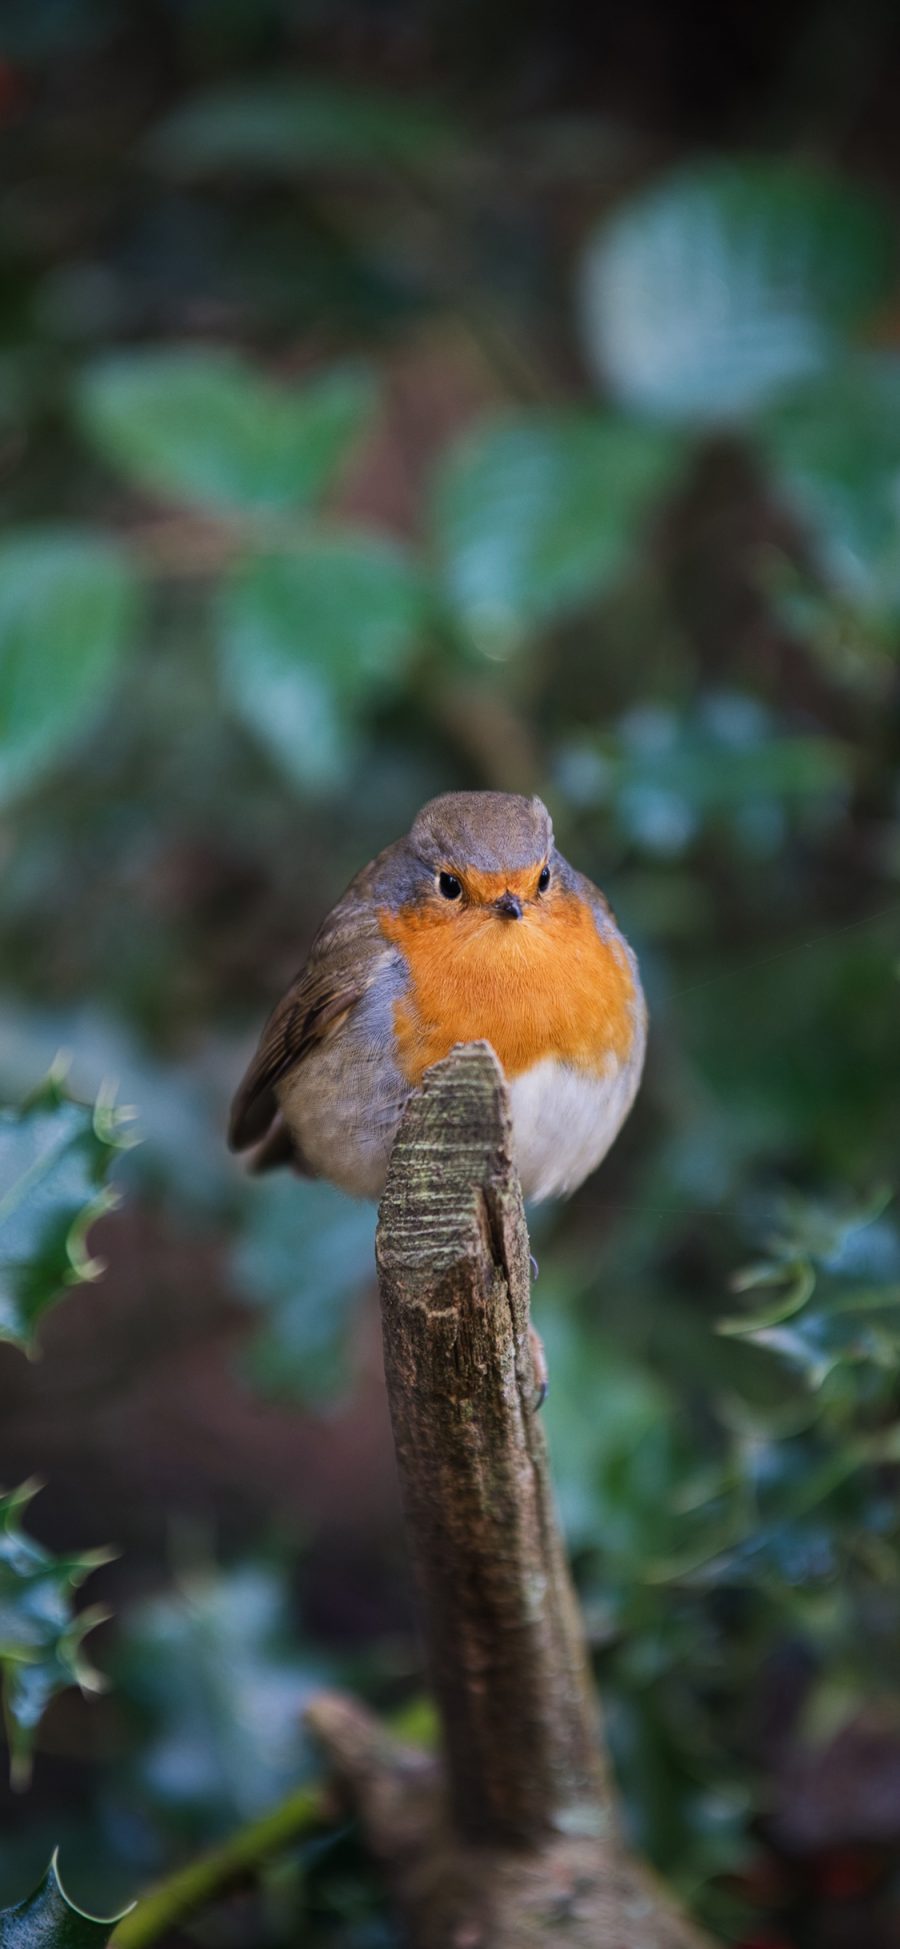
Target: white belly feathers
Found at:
564, 1122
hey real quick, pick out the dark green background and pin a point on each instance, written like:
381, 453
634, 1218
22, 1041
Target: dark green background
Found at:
395, 399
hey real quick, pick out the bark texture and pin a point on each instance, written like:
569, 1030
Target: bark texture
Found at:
512, 1840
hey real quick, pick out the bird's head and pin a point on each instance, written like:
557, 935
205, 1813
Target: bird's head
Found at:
490, 853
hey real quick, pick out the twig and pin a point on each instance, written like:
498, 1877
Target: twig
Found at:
202, 1881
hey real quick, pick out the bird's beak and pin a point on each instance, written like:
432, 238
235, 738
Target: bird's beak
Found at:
509, 905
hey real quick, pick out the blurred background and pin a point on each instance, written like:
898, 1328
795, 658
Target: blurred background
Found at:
396, 398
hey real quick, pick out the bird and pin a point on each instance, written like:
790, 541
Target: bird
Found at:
473, 927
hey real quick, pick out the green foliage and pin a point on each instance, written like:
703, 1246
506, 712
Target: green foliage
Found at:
280, 126
834, 450
305, 1260
708, 293
68, 605
212, 286
833, 1308
535, 515
614, 1440
55, 1158
795, 1510
668, 777
41, 1638
794, 1526
220, 1689
309, 641
204, 427
47, 1919
618, 1434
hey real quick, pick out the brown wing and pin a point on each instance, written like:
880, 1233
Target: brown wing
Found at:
344, 959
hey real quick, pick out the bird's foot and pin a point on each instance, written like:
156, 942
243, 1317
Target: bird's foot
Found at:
541, 1370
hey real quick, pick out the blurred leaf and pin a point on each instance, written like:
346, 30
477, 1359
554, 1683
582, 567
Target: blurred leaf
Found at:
214, 1672
796, 1286
49, 1920
59, 29
55, 1156
41, 1639
789, 1032
834, 1283
306, 1254
691, 1825
68, 605
534, 515
205, 426
668, 775
706, 294
308, 640
612, 1433
834, 449
279, 125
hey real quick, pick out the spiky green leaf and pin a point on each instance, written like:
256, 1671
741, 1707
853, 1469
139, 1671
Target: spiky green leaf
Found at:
829, 1290
47, 1919
55, 1159
41, 1636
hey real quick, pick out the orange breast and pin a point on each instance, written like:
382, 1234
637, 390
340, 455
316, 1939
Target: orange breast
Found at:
545, 985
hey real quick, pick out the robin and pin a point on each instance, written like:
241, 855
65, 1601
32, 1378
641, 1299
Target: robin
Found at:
472, 927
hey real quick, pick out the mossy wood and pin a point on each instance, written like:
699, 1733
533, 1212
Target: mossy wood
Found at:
512, 1840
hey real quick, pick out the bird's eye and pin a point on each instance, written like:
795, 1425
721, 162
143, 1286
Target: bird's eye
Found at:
544, 880
450, 886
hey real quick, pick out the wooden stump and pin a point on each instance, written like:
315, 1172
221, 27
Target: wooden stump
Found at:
511, 1839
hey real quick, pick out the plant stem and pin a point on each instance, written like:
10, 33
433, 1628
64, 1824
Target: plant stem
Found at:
201, 1881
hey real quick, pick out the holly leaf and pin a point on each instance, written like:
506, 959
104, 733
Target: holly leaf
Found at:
41, 1637
55, 1155
830, 1293
47, 1919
